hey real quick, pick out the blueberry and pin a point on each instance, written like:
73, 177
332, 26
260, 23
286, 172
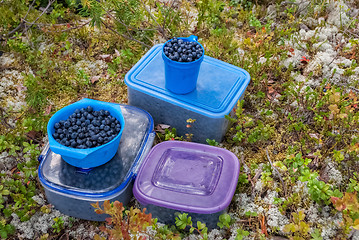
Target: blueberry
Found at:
81, 135
74, 135
80, 147
189, 59
95, 113
94, 137
113, 125
103, 134
105, 139
82, 110
59, 131
67, 143
58, 140
77, 111
106, 128
89, 109
67, 124
97, 130
87, 122
83, 124
73, 144
94, 143
107, 120
61, 136
73, 121
100, 140
113, 119
89, 144
90, 116
57, 125
79, 141
107, 113
78, 115
109, 133
78, 123
118, 129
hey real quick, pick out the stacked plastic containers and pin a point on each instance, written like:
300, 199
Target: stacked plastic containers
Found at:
71, 190
178, 177
219, 87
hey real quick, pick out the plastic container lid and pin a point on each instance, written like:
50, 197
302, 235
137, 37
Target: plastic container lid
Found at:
219, 84
188, 177
105, 180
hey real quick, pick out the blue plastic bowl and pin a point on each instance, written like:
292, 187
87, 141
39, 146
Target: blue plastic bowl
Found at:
90, 157
181, 77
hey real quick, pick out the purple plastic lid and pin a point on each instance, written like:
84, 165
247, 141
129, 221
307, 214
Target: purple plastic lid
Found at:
188, 177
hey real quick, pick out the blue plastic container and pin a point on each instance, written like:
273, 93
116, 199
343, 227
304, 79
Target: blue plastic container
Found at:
219, 87
72, 190
181, 77
90, 157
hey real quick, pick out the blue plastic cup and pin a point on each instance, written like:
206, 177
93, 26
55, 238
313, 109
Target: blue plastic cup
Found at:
181, 77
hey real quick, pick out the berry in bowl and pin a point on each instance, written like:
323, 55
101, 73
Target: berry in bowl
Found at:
87, 133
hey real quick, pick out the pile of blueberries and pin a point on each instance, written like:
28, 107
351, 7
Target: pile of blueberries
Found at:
99, 178
86, 128
182, 51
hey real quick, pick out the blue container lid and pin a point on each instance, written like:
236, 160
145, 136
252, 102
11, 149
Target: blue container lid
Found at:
110, 178
219, 84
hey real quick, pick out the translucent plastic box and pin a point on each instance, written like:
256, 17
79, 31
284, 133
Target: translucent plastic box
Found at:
219, 87
71, 190
178, 177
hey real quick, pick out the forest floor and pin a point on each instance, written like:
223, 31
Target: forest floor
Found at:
295, 132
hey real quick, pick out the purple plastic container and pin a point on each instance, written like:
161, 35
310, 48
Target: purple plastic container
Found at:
178, 177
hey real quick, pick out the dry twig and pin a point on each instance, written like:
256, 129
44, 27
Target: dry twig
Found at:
125, 36
276, 170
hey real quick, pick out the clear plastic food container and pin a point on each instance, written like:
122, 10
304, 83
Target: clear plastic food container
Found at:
178, 177
71, 190
219, 87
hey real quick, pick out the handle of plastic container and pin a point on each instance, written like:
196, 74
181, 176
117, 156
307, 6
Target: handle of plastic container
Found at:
44, 153
74, 154
144, 153
193, 38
